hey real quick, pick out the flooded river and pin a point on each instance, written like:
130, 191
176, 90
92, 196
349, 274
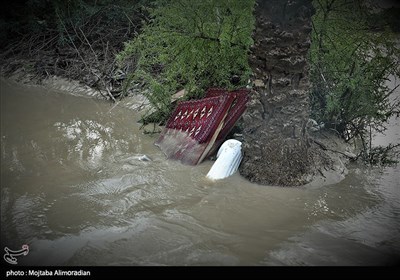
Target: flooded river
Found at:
76, 189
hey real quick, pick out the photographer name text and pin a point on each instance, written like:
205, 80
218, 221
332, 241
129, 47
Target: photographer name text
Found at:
39, 273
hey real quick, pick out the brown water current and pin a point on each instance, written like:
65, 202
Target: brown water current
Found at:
76, 188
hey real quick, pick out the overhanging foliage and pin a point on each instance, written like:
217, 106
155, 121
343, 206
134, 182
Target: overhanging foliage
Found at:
192, 45
351, 62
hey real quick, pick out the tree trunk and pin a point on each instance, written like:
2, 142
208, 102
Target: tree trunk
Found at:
276, 148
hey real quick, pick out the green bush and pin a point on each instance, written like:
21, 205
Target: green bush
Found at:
351, 60
193, 45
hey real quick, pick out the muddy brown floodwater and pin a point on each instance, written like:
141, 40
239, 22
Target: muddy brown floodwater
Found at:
75, 188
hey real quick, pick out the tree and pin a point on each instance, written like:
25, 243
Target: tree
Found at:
275, 144
192, 45
351, 59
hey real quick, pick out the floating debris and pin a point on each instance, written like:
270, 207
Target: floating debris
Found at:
197, 128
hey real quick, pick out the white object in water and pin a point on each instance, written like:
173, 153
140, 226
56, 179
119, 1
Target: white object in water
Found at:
228, 159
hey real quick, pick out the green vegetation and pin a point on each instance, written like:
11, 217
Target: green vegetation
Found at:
191, 45
352, 56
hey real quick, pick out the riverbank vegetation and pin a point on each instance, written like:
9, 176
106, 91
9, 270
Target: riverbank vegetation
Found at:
191, 45
78, 39
354, 52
